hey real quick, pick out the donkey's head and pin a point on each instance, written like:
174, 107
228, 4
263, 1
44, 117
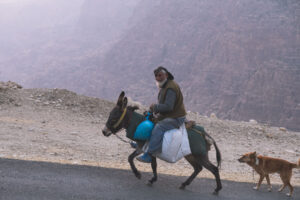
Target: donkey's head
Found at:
116, 116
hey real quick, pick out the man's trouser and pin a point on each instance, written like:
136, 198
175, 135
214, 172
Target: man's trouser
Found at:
156, 140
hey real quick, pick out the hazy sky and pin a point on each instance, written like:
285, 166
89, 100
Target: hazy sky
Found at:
14, 1
20, 1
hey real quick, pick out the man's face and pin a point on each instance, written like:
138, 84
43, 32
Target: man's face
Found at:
161, 76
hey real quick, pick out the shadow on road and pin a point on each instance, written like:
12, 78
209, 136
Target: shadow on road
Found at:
41, 180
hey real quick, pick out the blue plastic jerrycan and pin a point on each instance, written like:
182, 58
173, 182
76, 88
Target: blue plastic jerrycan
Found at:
144, 129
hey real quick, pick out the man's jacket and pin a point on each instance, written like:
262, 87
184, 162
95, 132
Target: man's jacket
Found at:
178, 109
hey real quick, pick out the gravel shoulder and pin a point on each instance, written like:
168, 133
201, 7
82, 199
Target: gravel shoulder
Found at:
60, 126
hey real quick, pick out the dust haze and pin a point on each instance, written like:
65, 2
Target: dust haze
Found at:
237, 59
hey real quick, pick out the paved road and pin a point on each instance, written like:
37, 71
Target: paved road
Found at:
40, 180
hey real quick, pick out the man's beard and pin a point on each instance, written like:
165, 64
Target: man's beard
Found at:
160, 84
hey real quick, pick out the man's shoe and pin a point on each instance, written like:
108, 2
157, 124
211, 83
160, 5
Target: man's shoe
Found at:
146, 158
133, 145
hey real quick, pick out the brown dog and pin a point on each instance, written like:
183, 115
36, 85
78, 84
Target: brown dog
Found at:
264, 166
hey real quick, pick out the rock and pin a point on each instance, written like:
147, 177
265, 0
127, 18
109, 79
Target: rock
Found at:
213, 115
9, 85
269, 135
252, 121
290, 151
282, 129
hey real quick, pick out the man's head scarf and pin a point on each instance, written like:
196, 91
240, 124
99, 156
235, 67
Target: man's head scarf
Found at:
161, 68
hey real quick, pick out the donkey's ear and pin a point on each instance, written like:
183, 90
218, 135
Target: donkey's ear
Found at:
120, 99
124, 103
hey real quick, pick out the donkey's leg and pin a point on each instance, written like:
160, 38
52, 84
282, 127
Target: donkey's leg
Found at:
213, 169
197, 168
154, 169
133, 168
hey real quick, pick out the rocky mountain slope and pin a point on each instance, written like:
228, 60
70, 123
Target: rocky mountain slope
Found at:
57, 125
239, 60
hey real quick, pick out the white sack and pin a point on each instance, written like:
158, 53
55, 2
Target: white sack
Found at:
175, 145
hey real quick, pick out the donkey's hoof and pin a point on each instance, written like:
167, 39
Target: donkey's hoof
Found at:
138, 175
182, 187
150, 183
216, 193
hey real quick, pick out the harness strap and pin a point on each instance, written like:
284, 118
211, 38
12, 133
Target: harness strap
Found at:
206, 137
197, 131
121, 118
122, 139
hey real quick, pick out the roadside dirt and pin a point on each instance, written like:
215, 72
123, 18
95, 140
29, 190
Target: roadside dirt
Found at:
56, 125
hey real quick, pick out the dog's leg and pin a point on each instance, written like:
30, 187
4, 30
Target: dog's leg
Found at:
282, 187
283, 183
291, 190
290, 186
261, 178
286, 182
269, 183
288, 179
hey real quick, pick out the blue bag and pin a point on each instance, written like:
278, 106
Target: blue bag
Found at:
144, 129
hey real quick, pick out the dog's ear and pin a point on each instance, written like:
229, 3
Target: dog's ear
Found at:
253, 154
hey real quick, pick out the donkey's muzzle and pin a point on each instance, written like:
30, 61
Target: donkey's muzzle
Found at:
106, 132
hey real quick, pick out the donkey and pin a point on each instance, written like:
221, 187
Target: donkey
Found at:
121, 117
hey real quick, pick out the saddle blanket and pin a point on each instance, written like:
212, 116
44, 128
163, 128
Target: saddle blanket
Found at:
175, 145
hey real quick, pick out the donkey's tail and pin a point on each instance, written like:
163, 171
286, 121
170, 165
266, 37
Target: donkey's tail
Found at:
298, 166
218, 153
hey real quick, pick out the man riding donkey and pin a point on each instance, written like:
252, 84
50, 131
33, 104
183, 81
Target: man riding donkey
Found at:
170, 111
191, 141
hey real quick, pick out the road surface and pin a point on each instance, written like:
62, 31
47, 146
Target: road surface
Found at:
40, 180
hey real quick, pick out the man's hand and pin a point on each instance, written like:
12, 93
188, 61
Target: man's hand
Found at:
151, 108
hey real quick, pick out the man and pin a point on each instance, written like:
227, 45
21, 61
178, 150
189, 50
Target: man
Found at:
170, 110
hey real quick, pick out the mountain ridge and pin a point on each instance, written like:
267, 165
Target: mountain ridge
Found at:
239, 60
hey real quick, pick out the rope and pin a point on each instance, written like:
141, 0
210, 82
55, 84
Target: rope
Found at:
253, 175
198, 131
121, 118
125, 141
